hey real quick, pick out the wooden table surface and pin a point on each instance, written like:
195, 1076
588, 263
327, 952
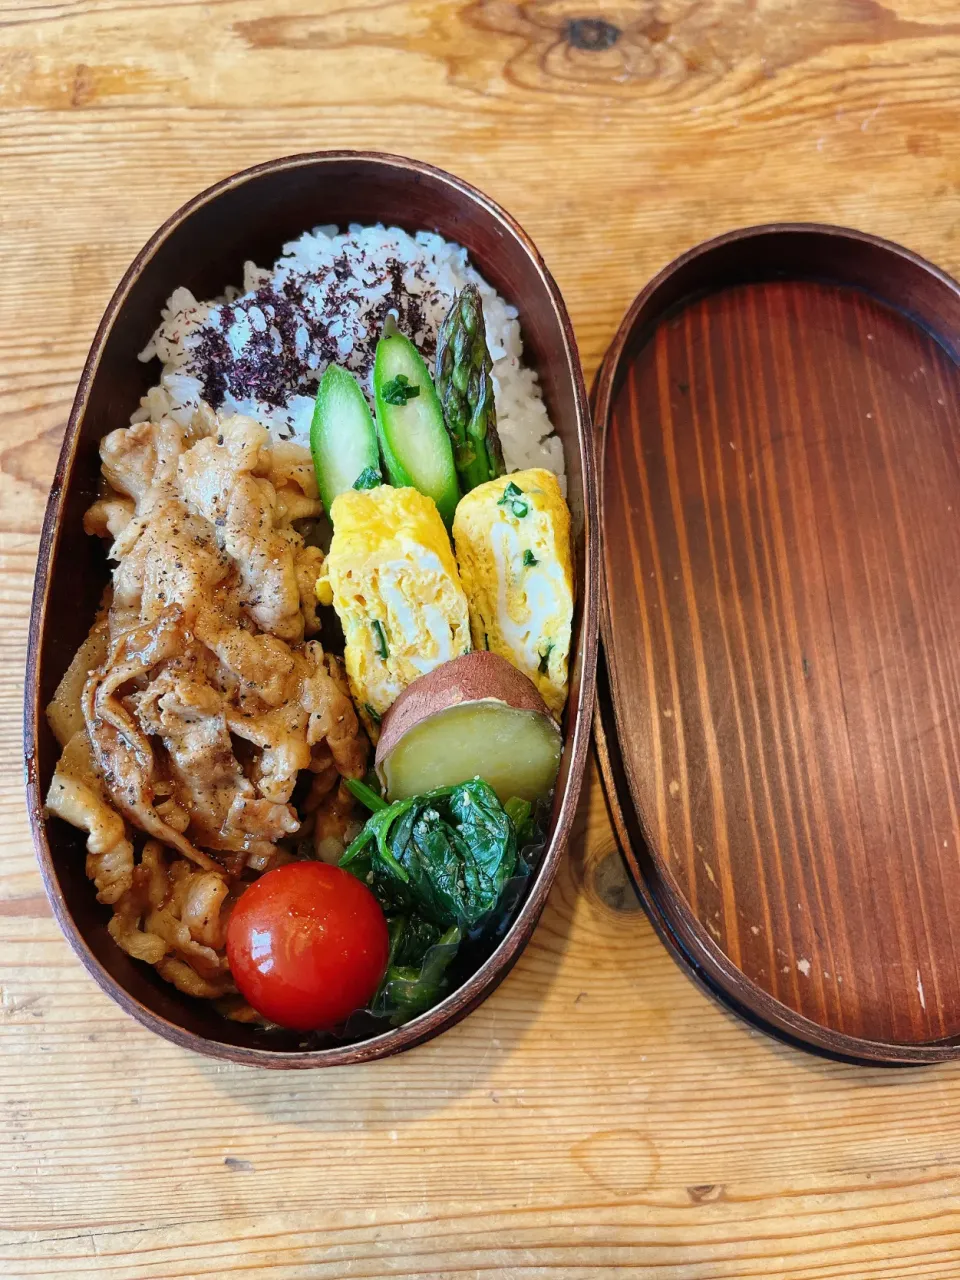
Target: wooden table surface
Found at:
598, 1114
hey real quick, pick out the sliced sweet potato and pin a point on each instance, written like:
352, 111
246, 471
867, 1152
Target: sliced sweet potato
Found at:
476, 716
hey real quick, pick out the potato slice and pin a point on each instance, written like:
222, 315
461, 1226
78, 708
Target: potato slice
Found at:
476, 716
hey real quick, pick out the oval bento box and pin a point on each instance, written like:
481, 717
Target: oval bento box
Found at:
249, 217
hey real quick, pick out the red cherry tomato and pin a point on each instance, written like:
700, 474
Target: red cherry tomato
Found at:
307, 944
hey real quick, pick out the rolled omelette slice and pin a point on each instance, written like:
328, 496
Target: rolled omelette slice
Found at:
512, 538
393, 581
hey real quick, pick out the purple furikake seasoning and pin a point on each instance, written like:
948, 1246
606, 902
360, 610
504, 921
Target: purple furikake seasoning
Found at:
273, 343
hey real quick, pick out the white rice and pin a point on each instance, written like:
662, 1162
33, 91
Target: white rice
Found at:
331, 292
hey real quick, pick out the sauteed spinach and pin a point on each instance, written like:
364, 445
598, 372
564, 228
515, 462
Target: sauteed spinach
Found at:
445, 866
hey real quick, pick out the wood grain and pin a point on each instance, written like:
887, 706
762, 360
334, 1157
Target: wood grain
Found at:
779, 487
598, 1114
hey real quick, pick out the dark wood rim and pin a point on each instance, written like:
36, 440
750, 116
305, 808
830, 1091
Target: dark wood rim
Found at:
460, 1002
686, 939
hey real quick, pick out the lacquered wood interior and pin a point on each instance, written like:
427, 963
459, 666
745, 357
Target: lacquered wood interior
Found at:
204, 247
781, 490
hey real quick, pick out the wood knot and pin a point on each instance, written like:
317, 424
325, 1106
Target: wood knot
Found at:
592, 34
612, 885
705, 1193
83, 89
657, 31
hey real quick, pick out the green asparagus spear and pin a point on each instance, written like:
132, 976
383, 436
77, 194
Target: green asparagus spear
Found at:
465, 389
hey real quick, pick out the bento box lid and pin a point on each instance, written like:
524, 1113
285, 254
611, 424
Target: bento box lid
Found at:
778, 425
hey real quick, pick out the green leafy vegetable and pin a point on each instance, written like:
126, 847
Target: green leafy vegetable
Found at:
400, 389
408, 988
369, 478
520, 813
444, 855
366, 795
545, 658
380, 637
446, 868
513, 498
372, 712
529, 559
